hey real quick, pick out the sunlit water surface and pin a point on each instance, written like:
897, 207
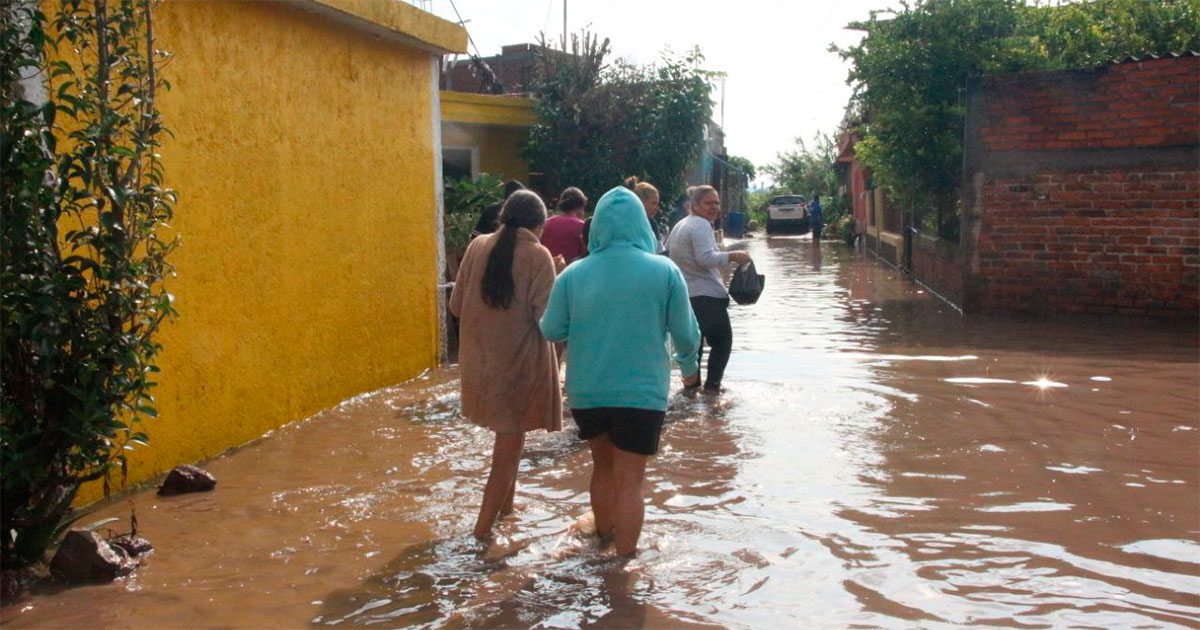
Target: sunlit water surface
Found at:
877, 462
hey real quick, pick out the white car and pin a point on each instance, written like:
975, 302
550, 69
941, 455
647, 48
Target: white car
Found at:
787, 213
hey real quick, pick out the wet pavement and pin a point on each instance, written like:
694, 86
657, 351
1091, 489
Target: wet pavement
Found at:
877, 462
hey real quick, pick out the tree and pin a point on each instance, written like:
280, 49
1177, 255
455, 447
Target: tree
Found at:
806, 170
81, 307
909, 72
599, 123
745, 165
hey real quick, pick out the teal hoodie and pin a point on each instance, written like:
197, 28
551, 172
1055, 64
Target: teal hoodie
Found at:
615, 308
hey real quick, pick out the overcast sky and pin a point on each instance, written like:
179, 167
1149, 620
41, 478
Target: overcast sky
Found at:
782, 82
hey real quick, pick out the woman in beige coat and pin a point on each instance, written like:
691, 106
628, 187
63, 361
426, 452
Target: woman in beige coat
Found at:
509, 371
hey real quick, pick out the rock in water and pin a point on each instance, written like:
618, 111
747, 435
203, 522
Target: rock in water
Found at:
85, 556
185, 478
13, 583
133, 545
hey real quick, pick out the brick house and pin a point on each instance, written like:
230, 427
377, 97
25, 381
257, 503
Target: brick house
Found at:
1081, 194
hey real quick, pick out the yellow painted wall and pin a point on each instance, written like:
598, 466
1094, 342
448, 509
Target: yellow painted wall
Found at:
499, 147
303, 157
496, 125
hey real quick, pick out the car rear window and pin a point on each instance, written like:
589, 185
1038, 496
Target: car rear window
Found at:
786, 200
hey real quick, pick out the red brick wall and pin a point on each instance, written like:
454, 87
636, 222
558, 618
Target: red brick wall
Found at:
1137, 104
1104, 223
1105, 241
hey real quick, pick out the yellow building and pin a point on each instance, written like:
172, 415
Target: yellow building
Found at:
307, 158
483, 133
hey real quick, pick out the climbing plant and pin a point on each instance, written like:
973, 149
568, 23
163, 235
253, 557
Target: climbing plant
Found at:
85, 209
600, 122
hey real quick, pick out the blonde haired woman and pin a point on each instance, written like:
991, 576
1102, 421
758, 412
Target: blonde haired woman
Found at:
648, 195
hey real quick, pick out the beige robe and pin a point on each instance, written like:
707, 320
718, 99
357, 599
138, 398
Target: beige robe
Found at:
509, 371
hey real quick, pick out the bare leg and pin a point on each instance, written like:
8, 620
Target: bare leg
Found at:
506, 456
602, 484
629, 473
507, 508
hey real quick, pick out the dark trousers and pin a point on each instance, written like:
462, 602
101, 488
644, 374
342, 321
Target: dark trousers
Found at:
816, 229
713, 316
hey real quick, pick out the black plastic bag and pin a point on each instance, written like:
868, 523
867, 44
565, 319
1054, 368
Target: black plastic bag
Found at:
746, 284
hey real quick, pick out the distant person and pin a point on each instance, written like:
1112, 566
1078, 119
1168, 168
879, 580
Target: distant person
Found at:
615, 308
561, 234
489, 218
679, 213
814, 217
693, 247
509, 372
648, 194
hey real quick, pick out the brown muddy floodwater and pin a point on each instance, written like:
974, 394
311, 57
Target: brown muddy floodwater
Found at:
877, 462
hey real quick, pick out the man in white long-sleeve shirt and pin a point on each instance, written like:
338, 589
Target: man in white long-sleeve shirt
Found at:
694, 249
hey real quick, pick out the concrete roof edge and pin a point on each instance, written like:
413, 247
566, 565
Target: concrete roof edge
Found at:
392, 20
498, 100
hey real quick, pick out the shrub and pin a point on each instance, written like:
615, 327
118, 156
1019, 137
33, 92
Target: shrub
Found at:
463, 198
81, 307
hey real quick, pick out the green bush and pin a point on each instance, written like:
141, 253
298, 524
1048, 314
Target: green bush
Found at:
81, 307
462, 200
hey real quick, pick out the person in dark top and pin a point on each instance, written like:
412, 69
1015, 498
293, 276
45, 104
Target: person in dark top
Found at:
489, 218
814, 217
680, 212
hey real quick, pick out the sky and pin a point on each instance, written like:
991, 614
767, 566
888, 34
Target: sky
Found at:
782, 83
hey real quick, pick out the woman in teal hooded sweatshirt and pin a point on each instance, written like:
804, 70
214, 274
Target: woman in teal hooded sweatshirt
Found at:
614, 309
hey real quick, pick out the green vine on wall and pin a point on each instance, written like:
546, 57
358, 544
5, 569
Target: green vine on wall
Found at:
84, 256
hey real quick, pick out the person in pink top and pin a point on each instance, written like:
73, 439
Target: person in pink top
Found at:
561, 235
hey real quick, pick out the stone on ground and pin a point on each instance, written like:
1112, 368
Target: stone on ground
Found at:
185, 478
85, 556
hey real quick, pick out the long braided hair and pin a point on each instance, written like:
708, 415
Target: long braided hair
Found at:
523, 209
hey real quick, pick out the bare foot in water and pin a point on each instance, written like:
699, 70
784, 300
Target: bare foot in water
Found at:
583, 526
502, 548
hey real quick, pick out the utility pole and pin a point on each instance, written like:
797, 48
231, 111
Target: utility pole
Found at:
564, 24
722, 103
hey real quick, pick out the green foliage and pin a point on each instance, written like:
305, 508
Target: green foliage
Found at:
756, 204
80, 307
746, 165
463, 199
910, 70
809, 170
598, 124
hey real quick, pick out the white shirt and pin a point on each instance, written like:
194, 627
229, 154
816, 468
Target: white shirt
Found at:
693, 247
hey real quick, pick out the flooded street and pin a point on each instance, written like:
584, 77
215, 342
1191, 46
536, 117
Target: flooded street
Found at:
877, 462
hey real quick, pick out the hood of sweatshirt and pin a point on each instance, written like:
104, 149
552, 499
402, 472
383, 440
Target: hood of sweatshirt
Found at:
620, 219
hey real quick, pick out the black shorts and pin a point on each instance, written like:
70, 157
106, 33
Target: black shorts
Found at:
630, 429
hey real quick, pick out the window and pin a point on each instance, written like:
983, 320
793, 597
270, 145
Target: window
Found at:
458, 162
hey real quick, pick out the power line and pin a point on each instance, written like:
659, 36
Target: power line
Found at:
464, 25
